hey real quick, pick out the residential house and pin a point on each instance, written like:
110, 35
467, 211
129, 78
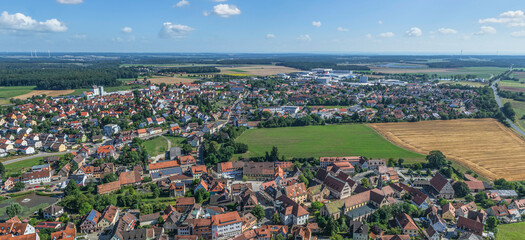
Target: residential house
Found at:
226, 225
407, 225
441, 187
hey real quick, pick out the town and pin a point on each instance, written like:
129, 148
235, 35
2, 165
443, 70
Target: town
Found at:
108, 182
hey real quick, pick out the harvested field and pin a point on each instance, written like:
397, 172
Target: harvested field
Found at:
413, 70
483, 145
52, 93
257, 70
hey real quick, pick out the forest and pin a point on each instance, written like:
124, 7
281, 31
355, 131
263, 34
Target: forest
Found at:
59, 76
190, 70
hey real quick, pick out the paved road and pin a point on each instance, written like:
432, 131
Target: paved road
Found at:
500, 104
40, 154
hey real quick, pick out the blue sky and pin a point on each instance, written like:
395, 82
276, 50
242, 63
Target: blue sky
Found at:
323, 26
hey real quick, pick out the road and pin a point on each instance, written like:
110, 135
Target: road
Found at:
500, 104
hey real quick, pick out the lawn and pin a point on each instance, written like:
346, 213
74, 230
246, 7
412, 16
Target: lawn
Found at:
175, 141
156, 146
24, 165
323, 141
511, 231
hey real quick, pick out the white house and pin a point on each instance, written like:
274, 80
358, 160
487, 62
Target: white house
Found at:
36, 177
226, 225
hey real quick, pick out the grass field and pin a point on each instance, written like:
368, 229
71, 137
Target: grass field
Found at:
323, 141
156, 146
509, 83
513, 231
50, 93
483, 145
9, 92
24, 165
519, 108
175, 141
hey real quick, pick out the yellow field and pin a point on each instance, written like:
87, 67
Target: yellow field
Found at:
257, 70
483, 145
51, 93
170, 80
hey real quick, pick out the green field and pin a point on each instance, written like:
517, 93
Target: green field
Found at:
169, 65
175, 141
237, 70
466, 83
509, 83
519, 108
513, 231
156, 146
482, 72
9, 92
24, 165
323, 141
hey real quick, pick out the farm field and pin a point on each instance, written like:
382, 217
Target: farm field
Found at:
257, 70
8, 92
483, 72
51, 93
169, 65
323, 141
466, 83
514, 231
519, 108
180, 78
512, 84
483, 145
156, 146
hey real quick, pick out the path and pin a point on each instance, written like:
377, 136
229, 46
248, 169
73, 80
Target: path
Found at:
500, 105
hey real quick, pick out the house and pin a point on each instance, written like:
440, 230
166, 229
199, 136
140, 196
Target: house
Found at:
177, 189
226, 225
69, 233
106, 151
127, 222
431, 233
36, 177
500, 212
437, 222
464, 209
338, 188
358, 206
184, 203
296, 192
186, 162
407, 225
448, 212
291, 212
519, 205
229, 169
317, 193
89, 224
358, 230
130, 178
109, 218
470, 225
53, 211
197, 171
46, 224
149, 219
441, 187
155, 167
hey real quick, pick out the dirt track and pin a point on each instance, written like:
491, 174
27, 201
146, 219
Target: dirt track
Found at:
483, 145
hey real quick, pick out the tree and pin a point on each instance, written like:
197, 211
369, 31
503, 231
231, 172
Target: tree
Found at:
276, 218
244, 178
365, 182
187, 148
111, 177
461, 189
258, 212
155, 190
469, 198
13, 210
492, 223
146, 208
436, 159
303, 179
442, 202
85, 208
72, 189
315, 206
19, 186
2, 169
201, 195
400, 161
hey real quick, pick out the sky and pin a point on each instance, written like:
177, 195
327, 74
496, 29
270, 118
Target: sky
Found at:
264, 26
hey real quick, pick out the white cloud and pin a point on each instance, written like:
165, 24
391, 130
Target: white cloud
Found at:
19, 21
379, 22
447, 31
182, 3
225, 10
172, 30
414, 32
387, 35
342, 29
369, 36
126, 30
511, 18
518, 34
206, 13
270, 36
123, 39
485, 30
304, 37
219, 0
316, 23
70, 1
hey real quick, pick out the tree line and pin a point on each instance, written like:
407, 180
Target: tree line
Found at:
202, 69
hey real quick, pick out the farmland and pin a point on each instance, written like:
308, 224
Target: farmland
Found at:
51, 93
179, 78
513, 231
519, 108
483, 145
483, 72
257, 70
318, 141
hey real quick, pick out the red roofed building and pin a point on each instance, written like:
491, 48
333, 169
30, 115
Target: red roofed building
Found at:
155, 167
105, 151
407, 224
226, 225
